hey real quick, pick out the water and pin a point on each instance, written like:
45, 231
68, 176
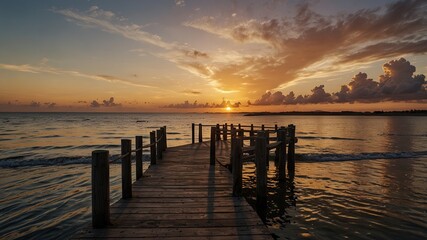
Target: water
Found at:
357, 177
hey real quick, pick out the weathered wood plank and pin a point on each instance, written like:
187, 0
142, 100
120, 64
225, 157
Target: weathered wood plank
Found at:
184, 197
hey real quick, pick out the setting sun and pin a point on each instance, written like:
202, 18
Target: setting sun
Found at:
228, 109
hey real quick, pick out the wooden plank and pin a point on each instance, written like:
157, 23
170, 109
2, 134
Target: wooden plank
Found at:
184, 197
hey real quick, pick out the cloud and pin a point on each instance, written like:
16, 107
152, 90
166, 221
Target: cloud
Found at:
109, 22
105, 103
195, 104
398, 83
180, 3
192, 92
309, 43
44, 68
35, 104
50, 104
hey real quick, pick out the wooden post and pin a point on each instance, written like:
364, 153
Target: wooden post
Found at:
281, 152
100, 189
267, 154
237, 155
218, 133
291, 151
275, 127
261, 170
224, 132
153, 152
262, 127
233, 136
126, 169
212, 152
200, 133
192, 133
241, 134
138, 157
159, 144
252, 134
165, 139
240, 126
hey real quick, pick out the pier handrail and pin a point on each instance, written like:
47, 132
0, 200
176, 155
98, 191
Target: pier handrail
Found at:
101, 172
258, 150
225, 130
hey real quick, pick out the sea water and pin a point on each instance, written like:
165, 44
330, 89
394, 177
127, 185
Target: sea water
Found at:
357, 177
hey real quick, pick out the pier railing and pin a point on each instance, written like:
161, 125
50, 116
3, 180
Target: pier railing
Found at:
260, 144
101, 172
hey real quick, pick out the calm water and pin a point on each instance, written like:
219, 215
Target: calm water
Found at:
356, 177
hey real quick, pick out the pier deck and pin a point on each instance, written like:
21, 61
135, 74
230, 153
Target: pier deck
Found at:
183, 197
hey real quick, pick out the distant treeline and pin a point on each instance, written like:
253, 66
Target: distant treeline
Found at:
346, 113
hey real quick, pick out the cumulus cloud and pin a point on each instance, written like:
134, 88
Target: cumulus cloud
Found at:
105, 103
398, 83
195, 104
308, 43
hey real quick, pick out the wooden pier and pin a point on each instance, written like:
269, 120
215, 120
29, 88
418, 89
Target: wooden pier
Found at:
187, 192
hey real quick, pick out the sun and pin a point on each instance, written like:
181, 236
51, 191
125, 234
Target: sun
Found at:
228, 109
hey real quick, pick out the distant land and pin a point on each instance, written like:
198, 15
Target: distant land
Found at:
345, 113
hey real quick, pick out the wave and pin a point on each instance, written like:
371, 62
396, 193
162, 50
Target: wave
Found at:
329, 157
330, 138
15, 162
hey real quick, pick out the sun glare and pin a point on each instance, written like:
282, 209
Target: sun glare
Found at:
228, 109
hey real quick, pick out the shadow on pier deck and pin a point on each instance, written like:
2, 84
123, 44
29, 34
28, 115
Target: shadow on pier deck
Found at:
183, 196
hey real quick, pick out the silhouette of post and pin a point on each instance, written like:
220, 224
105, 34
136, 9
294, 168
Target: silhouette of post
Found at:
126, 169
192, 133
138, 156
100, 189
212, 149
261, 170
200, 133
153, 152
236, 155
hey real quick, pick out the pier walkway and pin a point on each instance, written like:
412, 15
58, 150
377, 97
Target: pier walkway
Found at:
184, 197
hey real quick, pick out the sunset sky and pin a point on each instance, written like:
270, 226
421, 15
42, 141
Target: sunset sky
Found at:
201, 56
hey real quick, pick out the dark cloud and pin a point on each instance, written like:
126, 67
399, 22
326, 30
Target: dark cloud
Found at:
50, 104
194, 53
398, 83
195, 104
194, 92
105, 103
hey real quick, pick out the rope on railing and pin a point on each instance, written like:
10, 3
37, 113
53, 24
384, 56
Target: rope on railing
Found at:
119, 157
135, 150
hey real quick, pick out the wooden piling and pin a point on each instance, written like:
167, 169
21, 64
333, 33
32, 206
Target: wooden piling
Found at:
200, 133
262, 127
261, 170
165, 139
281, 152
224, 132
267, 154
100, 189
192, 133
291, 151
138, 156
252, 134
218, 133
237, 155
153, 152
233, 136
212, 149
159, 144
126, 169
241, 134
